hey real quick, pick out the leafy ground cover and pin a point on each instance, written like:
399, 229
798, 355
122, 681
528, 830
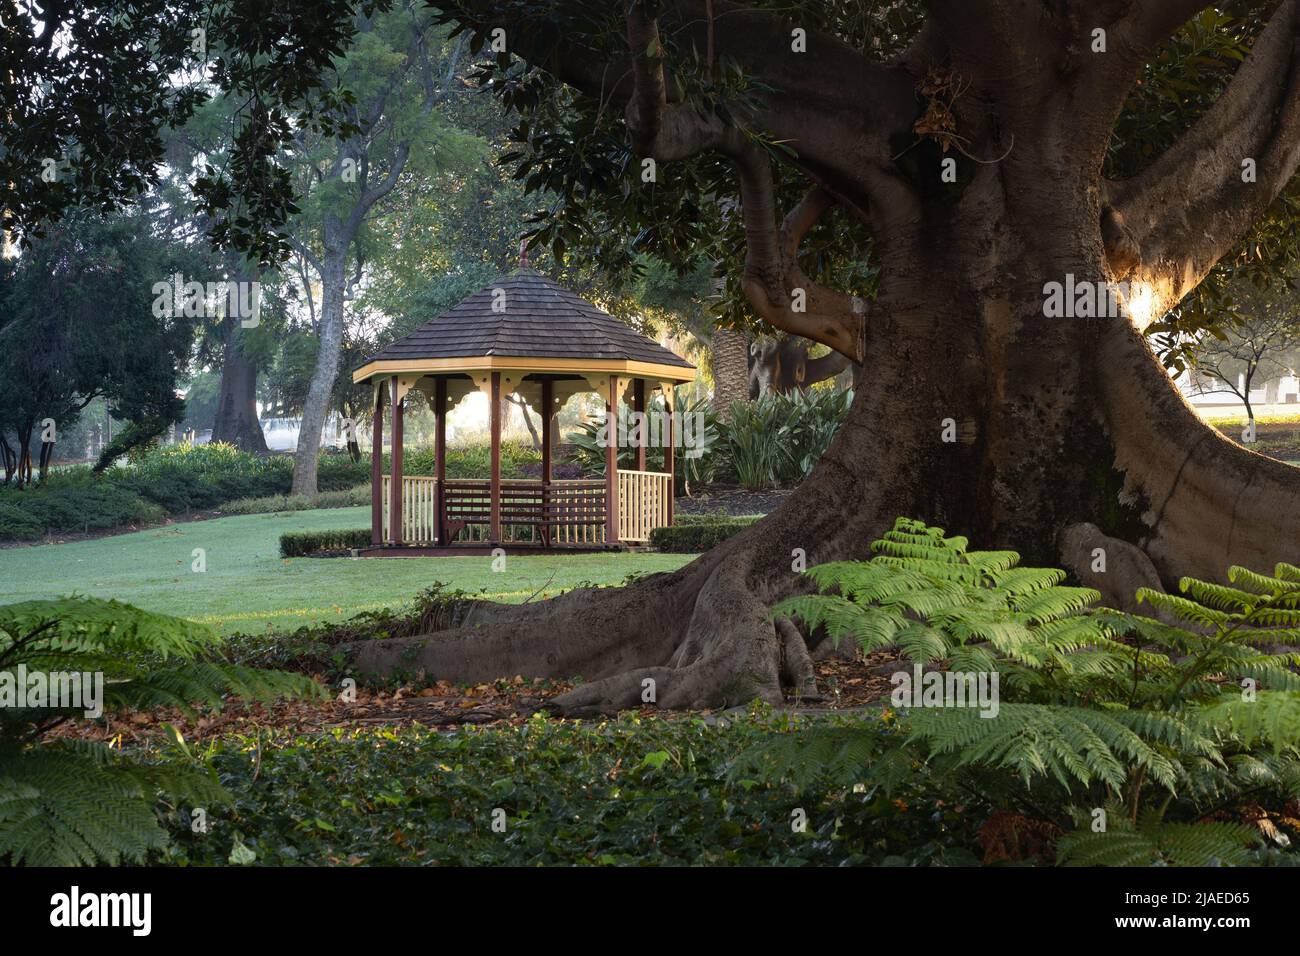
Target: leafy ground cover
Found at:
633, 790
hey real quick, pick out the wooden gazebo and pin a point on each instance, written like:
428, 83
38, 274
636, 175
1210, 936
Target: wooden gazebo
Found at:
524, 335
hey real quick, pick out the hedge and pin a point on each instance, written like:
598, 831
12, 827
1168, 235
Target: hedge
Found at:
297, 544
697, 535
72, 509
349, 498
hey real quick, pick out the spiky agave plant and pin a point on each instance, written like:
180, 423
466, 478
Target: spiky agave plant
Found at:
68, 802
1108, 721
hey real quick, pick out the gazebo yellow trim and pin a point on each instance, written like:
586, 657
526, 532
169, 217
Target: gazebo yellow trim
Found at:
623, 367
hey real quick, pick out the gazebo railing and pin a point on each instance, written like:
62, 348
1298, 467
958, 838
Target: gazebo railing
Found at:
419, 508
564, 512
644, 503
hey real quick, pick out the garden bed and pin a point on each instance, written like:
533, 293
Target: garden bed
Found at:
732, 500
843, 686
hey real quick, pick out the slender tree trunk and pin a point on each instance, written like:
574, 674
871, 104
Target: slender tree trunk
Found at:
25, 454
236, 420
47, 454
316, 408
528, 421
9, 458
729, 353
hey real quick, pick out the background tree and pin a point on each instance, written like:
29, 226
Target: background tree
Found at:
398, 70
82, 325
1257, 348
239, 347
783, 363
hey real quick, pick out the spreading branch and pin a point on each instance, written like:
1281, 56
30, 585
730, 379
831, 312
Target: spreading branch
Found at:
1170, 224
773, 281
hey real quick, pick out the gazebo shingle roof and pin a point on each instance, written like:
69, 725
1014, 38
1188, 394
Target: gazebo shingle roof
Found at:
541, 320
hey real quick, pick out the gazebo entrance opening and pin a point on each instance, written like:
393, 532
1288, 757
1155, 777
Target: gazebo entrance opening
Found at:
559, 346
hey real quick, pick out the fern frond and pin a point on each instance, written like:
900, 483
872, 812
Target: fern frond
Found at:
1183, 608
1261, 583
1220, 596
63, 808
1072, 745
1170, 844
870, 627
1056, 602
1273, 717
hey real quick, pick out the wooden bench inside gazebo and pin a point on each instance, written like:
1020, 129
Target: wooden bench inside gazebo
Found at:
527, 336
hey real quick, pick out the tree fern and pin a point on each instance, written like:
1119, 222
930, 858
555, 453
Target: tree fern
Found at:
1170, 844
68, 802
1167, 721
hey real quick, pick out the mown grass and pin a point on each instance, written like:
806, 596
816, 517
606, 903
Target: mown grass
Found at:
248, 587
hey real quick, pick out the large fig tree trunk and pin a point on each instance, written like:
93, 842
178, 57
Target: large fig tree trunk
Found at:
979, 409
236, 419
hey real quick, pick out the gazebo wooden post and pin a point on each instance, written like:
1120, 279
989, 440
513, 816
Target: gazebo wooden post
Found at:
548, 399
377, 471
669, 457
611, 463
494, 526
395, 481
440, 459
638, 405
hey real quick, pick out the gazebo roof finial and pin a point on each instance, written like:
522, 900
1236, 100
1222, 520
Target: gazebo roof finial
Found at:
523, 253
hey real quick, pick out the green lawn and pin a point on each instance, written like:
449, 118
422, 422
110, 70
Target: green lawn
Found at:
248, 587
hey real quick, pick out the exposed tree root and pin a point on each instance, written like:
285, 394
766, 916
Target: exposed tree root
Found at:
1112, 566
796, 663
1209, 502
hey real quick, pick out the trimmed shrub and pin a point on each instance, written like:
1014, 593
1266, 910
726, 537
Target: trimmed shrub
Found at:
297, 544
71, 508
690, 536
348, 498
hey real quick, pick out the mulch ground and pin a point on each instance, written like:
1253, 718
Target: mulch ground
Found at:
732, 500
842, 685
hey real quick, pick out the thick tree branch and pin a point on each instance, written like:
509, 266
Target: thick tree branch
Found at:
645, 109
1169, 225
1148, 23
816, 94
773, 282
